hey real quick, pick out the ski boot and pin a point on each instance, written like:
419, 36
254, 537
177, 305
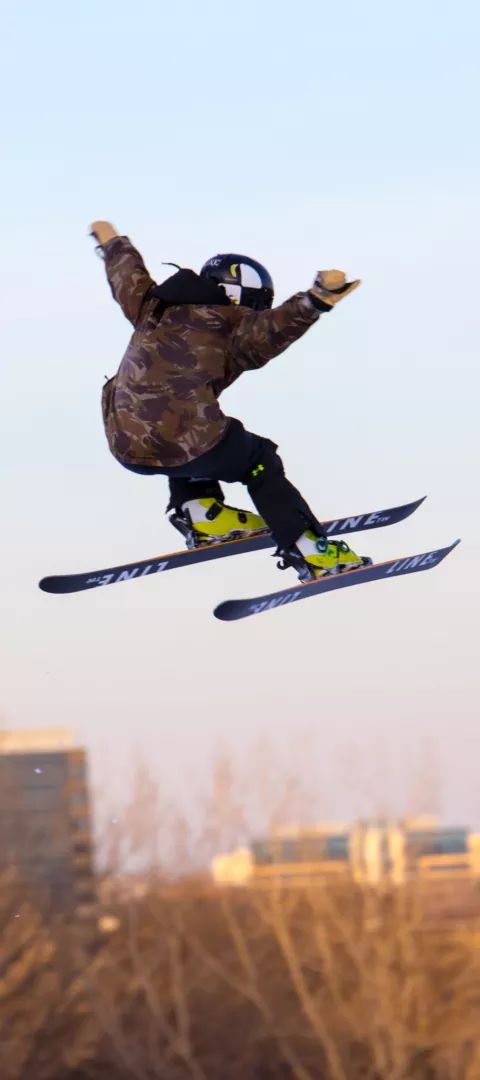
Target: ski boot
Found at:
208, 521
316, 556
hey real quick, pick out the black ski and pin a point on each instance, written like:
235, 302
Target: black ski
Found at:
230, 610
66, 583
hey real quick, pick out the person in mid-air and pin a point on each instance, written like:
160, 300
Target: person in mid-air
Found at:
193, 336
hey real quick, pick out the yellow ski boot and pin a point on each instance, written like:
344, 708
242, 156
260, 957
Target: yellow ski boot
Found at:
208, 521
317, 556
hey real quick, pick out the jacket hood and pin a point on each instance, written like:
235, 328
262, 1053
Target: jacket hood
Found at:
187, 287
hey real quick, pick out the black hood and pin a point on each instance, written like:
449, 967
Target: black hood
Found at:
187, 287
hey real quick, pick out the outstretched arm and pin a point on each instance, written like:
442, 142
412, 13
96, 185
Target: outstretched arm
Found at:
127, 275
259, 336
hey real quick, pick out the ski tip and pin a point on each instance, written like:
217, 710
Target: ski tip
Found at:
225, 611
52, 585
418, 502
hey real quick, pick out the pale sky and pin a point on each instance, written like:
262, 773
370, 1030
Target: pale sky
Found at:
306, 137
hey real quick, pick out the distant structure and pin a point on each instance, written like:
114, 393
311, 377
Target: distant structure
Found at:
367, 852
45, 828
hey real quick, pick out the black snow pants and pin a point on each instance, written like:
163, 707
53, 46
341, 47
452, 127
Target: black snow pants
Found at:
249, 459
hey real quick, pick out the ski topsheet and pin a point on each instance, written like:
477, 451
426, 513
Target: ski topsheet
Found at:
230, 610
66, 583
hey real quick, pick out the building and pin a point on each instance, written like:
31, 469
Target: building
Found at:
367, 852
421, 850
45, 828
292, 855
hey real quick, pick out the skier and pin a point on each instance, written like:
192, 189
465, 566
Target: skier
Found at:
193, 336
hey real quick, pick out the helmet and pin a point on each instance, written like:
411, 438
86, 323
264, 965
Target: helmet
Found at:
244, 280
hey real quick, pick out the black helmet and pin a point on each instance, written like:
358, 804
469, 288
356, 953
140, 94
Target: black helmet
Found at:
245, 281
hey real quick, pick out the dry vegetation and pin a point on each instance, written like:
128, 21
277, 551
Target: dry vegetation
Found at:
266, 983
311, 983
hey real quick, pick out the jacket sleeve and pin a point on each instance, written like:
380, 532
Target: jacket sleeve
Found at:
127, 276
260, 335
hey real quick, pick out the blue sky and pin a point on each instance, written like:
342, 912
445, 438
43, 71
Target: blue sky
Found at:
306, 138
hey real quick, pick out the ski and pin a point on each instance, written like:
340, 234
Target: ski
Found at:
230, 610
67, 583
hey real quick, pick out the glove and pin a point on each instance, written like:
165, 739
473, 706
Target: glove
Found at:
103, 232
329, 287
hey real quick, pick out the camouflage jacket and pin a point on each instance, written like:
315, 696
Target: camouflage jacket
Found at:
161, 408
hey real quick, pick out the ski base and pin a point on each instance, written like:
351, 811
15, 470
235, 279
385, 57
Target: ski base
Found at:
67, 583
231, 610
